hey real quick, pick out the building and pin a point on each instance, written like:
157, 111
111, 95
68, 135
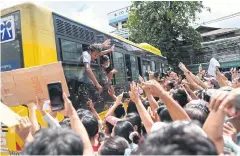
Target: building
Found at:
117, 19
220, 43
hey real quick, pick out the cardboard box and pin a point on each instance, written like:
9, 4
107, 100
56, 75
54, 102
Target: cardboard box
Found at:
21, 86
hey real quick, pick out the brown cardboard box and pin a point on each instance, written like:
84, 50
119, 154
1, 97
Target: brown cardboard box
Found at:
21, 86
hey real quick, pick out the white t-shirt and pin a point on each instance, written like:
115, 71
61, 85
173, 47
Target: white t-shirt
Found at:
86, 57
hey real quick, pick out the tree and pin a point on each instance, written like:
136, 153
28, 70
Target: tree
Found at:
165, 25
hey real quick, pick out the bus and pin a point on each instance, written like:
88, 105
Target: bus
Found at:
33, 35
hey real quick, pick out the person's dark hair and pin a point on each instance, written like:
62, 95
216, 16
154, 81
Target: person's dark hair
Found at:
180, 96
135, 120
146, 103
89, 121
54, 142
82, 112
171, 84
156, 98
109, 126
132, 108
104, 59
119, 111
95, 48
65, 123
197, 112
228, 75
164, 114
124, 129
177, 138
114, 146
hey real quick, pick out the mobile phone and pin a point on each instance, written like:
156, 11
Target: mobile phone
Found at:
55, 95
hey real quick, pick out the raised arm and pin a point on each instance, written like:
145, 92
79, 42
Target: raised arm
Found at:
93, 110
153, 103
221, 79
32, 107
77, 126
47, 117
105, 52
190, 92
92, 76
175, 110
213, 126
110, 75
115, 105
144, 115
111, 92
192, 79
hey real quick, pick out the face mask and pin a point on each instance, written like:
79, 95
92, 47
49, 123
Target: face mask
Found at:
107, 65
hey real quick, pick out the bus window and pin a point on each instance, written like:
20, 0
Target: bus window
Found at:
153, 66
74, 75
146, 66
139, 66
71, 51
118, 62
134, 67
128, 67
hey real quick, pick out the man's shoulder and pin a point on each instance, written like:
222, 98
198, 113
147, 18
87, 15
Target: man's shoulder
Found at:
85, 53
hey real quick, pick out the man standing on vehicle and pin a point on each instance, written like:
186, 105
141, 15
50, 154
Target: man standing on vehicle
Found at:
88, 80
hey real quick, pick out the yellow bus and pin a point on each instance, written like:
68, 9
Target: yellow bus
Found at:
33, 35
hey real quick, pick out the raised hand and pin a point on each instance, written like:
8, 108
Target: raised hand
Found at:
134, 93
141, 79
24, 129
151, 75
112, 49
90, 104
99, 88
119, 99
223, 101
114, 71
106, 43
111, 91
68, 107
154, 88
230, 130
182, 67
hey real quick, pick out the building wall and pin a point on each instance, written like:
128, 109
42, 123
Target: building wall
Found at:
225, 49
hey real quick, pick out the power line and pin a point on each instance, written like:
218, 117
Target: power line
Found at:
220, 19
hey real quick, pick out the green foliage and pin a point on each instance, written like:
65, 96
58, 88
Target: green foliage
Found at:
165, 25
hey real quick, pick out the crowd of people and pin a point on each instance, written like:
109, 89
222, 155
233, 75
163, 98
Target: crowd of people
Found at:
166, 115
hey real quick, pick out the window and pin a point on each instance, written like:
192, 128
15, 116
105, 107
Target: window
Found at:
146, 65
71, 51
134, 67
153, 66
118, 61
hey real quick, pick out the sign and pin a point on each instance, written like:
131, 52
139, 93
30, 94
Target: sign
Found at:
9, 65
7, 29
119, 13
21, 86
213, 66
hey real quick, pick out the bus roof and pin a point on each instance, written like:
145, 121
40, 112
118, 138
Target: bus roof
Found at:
144, 46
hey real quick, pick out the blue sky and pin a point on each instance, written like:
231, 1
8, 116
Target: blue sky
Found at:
94, 13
